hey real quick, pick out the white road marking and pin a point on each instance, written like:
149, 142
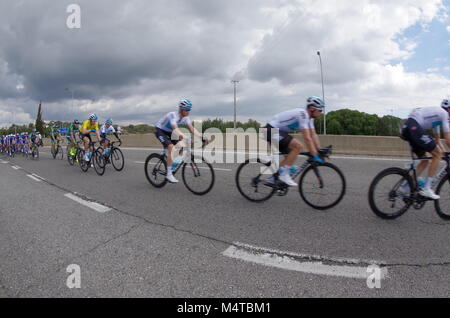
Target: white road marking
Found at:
34, 178
349, 157
92, 205
37, 176
218, 169
2, 161
312, 264
16, 167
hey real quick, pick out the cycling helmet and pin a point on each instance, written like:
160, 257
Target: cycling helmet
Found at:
93, 117
185, 104
445, 104
109, 121
315, 101
76, 122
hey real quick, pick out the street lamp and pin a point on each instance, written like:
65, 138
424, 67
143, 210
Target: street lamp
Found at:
71, 90
235, 83
323, 95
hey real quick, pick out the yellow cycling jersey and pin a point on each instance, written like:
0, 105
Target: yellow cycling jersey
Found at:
87, 126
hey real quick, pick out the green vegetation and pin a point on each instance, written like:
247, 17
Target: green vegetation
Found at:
341, 122
353, 122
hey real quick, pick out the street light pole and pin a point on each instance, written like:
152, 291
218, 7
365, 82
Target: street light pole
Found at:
323, 95
235, 83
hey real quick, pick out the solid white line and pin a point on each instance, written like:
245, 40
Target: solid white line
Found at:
288, 261
255, 153
34, 178
92, 205
218, 169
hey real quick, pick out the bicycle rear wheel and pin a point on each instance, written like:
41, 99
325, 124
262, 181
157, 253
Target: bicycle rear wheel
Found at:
117, 159
251, 181
442, 205
198, 176
386, 198
322, 186
156, 170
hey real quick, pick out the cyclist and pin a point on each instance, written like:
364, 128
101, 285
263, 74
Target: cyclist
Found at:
295, 120
74, 130
106, 130
90, 125
414, 131
55, 137
169, 134
34, 138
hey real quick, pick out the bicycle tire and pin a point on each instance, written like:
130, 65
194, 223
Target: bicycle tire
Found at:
301, 186
117, 153
84, 165
153, 172
439, 210
253, 184
404, 176
98, 161
197, 172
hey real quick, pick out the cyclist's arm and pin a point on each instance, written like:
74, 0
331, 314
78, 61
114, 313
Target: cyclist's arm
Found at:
315, 138
308, 138
176, 132
194, 131
447, 140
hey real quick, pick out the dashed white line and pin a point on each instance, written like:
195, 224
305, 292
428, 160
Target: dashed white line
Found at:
34, 178
16, 167
299, 262
37, 176
92, 205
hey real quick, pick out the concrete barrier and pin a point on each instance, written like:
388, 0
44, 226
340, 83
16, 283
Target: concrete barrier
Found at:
349, 145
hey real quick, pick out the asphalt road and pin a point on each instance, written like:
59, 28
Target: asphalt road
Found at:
169, 243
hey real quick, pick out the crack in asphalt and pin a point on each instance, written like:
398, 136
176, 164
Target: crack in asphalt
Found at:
227, 243
61, 268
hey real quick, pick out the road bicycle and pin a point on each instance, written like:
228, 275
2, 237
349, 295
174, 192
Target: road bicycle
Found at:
321, 185
73, 158
198, 174
115, 156
394, 190
34, 151
96, 159
57, 151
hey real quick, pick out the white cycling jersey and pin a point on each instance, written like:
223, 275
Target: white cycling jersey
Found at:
292, 120
171, 119
431, 118
107, 131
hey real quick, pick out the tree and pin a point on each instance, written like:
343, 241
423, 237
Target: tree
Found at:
39, 123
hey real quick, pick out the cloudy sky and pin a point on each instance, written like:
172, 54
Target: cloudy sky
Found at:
132, 60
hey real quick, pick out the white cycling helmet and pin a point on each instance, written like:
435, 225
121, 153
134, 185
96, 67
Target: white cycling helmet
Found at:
445, 104
315, 101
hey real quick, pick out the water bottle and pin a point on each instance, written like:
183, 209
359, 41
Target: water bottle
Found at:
293, 170
421, 183
176, 162
107, 151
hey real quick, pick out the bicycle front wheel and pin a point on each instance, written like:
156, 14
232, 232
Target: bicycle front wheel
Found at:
387, 197
117, 159
442, 205
198, 176
156, 170
322, 186
253, 181
99, 162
